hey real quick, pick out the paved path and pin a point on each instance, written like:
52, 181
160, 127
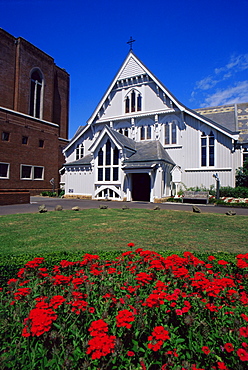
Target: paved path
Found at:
51, 203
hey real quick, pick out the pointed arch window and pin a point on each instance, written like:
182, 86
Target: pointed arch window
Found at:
173, 133
108, 153
149, 132
133, 96
127, 103
142, 133
108, 163
36, 93
100, 157
133, 102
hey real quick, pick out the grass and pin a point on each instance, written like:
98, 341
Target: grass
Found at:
96, 230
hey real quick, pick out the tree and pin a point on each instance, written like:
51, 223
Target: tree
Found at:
242, 175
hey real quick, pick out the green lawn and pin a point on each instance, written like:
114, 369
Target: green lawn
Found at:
96, 230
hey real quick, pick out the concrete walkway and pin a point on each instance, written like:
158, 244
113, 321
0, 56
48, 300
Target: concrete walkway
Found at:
67, 204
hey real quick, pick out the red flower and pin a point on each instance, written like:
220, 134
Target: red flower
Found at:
100, 346
243, 355
206, 350
229, 347
144, 278
244, 316
56, 301
130, 353
222, 262
124, 318
159, 335
243, 331
38, 322
21, 292
131, 245
221, 365
98, 328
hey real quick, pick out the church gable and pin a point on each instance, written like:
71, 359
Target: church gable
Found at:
131, 69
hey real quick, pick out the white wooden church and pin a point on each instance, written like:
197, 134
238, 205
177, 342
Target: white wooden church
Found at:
142, 144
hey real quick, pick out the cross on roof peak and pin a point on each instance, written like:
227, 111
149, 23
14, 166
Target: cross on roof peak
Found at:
130, 42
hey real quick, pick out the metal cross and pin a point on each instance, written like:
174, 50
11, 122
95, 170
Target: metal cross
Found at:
130, 42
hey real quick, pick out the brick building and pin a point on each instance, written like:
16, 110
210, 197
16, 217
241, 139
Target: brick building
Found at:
34, 104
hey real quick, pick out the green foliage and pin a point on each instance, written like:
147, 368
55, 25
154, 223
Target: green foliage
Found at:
48, 194
175, 200
242, 175
171, 311
238, 192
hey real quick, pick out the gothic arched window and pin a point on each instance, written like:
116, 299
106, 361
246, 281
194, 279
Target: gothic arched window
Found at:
108, 163
133, 102
36, 92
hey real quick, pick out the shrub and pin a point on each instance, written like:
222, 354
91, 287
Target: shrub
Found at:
48, 194
238, 192
242, 175
137, 311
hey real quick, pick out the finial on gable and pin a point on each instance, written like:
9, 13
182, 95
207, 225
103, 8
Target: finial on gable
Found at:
130, 42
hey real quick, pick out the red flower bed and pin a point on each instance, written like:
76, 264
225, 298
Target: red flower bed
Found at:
138, 311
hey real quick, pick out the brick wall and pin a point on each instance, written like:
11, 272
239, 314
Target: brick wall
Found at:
8, 197
18, 58
15, 153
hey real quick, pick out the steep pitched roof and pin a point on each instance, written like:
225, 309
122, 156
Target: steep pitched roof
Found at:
124, 141
85, 161
132, 67
149, 152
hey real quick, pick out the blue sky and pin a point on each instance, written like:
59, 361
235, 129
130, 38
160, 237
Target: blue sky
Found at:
197, 49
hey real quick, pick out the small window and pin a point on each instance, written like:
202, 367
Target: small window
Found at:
107, 174
5, 136
41, 143
100, 174
116, 156
149, 132
26, 172
142, 133
32, 172
115, 173
79, 151
173, 133
203, 149
25, 140
100, 157
167, 133
4, 170
211, 148
127, 102
38, 173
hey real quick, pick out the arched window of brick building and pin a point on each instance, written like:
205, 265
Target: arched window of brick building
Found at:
36, 92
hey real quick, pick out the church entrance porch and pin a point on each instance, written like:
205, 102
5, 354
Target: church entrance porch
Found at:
141, 187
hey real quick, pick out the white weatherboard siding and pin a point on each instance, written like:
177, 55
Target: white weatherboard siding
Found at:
156, 143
